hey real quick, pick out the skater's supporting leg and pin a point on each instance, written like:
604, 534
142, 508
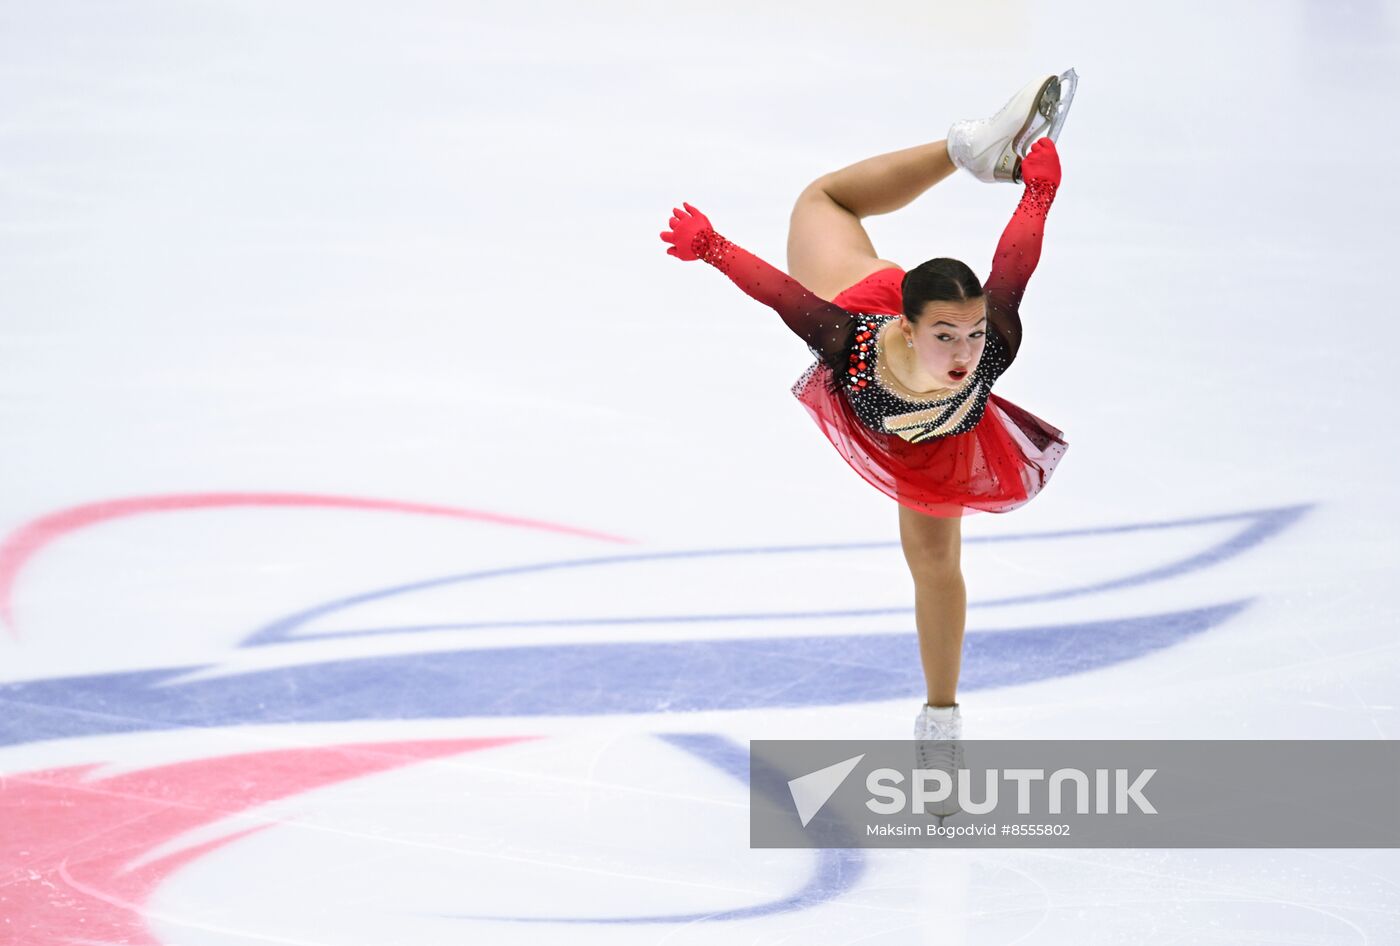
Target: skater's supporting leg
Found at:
828, 249
933, 549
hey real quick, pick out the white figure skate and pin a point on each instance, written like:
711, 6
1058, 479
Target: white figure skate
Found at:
991, 149
937, 732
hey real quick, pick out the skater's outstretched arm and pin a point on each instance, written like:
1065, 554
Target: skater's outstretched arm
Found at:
1018, 251
825, 327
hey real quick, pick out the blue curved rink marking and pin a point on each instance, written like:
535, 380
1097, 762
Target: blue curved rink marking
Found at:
631, 677
1257, 526
834, 870
647, 677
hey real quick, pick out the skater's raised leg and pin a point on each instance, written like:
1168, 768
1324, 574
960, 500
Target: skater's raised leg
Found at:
828, 249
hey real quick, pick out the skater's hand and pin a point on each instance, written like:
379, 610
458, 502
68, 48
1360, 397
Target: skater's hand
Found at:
1042, 163
684, 225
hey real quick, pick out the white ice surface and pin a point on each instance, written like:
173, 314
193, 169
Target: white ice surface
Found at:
410, 252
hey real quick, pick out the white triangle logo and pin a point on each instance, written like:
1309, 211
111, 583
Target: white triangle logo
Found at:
811, 791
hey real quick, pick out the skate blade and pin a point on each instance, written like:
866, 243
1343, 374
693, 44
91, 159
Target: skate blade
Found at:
942, 819
1052, 108
1064, 97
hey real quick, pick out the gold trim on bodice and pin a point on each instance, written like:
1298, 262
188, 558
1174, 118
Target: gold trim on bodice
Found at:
924, 423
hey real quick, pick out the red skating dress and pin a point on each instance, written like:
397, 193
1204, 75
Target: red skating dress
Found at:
960, 452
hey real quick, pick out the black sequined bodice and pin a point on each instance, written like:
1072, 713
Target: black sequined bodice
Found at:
882, 409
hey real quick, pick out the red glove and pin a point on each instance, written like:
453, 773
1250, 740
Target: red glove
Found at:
1042, 163
684, 226
826, 328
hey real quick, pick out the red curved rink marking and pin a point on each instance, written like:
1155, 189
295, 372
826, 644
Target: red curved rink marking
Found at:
23, 543
65, 842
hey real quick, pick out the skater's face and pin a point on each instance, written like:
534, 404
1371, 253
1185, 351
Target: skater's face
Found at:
948, 338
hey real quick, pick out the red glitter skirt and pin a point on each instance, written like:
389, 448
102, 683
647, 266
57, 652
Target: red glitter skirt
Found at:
1000, 464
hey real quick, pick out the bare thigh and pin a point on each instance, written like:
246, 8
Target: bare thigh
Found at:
931, 543
828, 248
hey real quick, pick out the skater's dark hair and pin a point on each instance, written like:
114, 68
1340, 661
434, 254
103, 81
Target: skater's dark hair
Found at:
938, 280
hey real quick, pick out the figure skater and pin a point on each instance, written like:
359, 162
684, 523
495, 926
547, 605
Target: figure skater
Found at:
906, 360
